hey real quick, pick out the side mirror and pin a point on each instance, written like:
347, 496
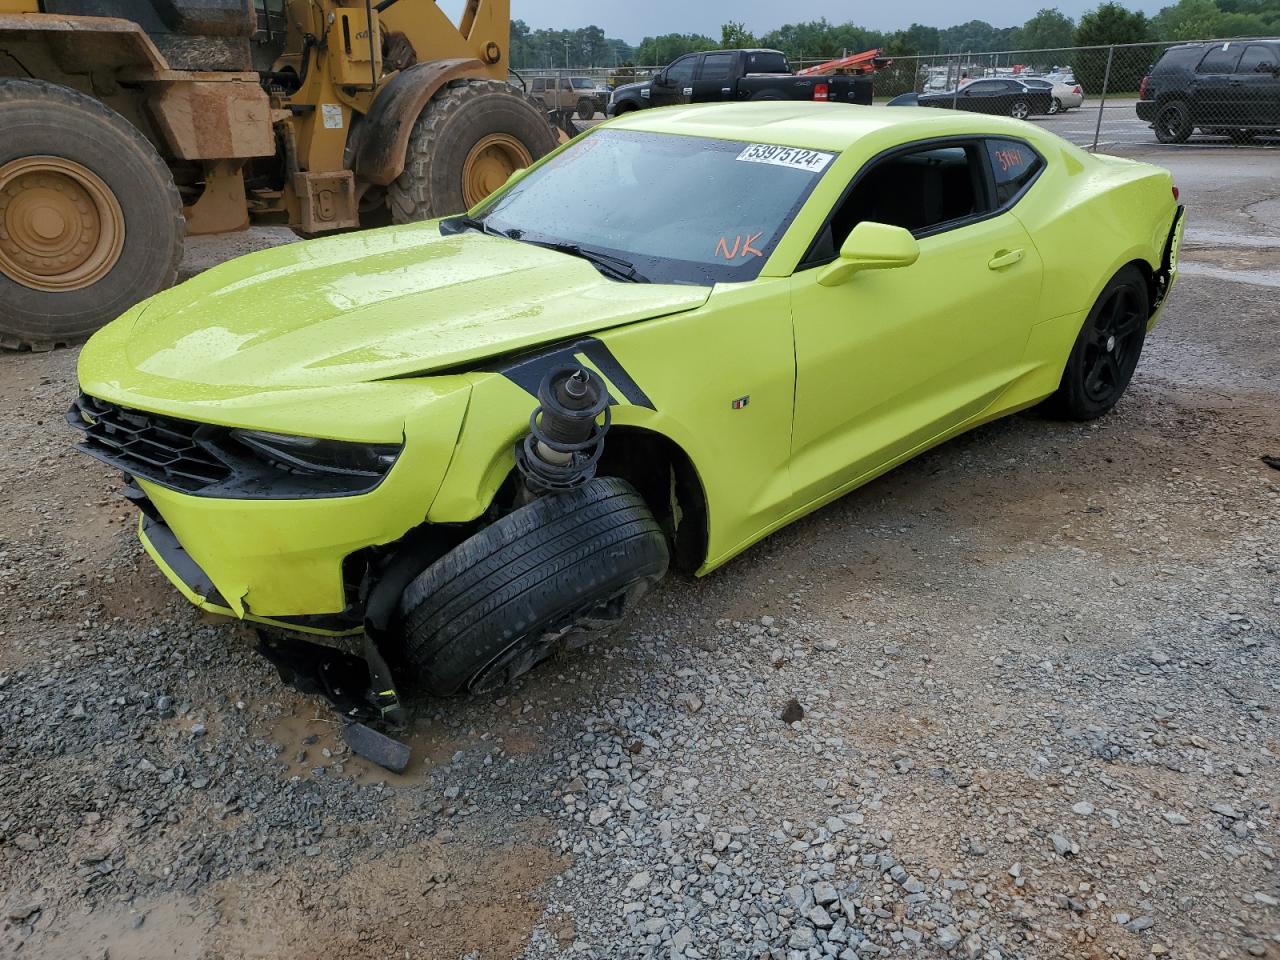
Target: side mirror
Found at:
871, 246
661, 80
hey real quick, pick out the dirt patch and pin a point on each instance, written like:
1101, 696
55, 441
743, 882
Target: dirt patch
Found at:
445, 898
440, 899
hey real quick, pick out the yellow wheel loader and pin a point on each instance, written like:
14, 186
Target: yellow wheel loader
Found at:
126, 124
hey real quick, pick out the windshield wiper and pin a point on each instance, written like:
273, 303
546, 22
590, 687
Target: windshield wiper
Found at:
472, 223
605, 262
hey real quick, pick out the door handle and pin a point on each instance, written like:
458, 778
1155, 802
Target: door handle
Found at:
1004, 258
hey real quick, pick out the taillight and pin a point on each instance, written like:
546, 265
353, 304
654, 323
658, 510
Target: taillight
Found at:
1077, 91
821, 91
1176, 193
1142, 88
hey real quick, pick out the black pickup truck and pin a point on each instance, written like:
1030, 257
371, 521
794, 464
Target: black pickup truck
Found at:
734, 75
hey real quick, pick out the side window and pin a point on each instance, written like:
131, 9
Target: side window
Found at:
767, 63
566, 85
1014, 165
1257, 56
539, 85
681, 72
717, 66
1221, 58
922, 190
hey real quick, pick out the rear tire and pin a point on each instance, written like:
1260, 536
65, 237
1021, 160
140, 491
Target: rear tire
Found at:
465, 144
1055, 107
1020, 110
1173, 122
90, 220
482, 614
1106, 351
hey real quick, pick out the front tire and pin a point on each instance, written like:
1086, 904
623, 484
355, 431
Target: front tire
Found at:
1106, 351
586, 109
1173, 123
90, 220
492, 607
468, 140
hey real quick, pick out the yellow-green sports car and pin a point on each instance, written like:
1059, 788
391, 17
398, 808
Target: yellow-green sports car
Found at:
470, 438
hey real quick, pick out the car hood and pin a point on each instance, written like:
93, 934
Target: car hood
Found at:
374, 305
630, 87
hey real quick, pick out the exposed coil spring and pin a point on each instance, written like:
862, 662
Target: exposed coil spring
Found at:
564, 443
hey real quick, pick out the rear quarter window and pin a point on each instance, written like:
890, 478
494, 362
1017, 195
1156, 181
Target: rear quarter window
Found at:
1180, 58
1014, 165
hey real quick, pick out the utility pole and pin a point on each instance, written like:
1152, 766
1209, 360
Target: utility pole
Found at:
566, 54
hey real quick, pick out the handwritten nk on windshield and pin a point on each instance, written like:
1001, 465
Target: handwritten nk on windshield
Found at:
742, 246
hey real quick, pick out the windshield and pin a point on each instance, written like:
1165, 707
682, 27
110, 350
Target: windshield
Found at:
677, 209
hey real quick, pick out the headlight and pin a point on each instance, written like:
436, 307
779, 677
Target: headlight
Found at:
315, 457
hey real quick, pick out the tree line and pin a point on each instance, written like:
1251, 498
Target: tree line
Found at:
819, 39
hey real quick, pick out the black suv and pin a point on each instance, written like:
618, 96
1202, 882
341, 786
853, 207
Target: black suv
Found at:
1229, 88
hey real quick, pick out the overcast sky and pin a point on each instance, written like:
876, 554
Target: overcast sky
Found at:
632, 20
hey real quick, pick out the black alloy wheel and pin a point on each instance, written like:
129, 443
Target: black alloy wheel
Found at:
1111, 353
1173, 123
1106, 350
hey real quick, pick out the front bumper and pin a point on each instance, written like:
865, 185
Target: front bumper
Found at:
197, 586
293, 560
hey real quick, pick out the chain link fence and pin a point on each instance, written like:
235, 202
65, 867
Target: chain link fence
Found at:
1201, 92
1224, 91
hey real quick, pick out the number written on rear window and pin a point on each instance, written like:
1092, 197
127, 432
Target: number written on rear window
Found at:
1014, 165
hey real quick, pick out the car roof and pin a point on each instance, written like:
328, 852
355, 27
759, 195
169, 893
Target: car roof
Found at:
813, 125
1205, 44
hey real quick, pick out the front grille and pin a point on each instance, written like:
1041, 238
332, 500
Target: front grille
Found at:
161, 449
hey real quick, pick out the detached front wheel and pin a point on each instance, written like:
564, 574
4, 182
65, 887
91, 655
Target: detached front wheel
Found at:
497, 604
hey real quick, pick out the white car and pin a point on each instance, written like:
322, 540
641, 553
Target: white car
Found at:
1066, 96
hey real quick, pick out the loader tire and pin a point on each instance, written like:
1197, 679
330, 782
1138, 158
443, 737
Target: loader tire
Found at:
464, 145
482, 614
90, 219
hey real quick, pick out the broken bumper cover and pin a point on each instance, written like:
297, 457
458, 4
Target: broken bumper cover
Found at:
194, 584
296, 560
1167, 275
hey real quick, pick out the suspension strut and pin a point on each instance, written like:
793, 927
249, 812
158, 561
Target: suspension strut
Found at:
564, 442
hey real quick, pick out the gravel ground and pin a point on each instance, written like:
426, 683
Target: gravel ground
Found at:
1016, 699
